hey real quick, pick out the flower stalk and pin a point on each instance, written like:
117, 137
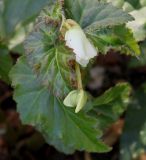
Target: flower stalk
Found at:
79, 77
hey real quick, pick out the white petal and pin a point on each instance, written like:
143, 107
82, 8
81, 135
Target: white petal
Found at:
74, 39
90, 49
77, 40
82, 62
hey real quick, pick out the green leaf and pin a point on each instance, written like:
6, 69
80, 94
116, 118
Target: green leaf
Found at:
59, 125
119, 38
125, 35
111, 94
92, 15
133, 141
5, 63
112, 104
16, 12
49, 58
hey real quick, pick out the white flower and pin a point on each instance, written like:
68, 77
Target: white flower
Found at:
76, 98
76, 39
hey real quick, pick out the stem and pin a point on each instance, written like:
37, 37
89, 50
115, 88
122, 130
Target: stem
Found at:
79, 78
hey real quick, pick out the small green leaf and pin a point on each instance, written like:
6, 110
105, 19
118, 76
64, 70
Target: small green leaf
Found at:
5, 63
112, 93
126, 37
60, 126
133, 141
119, 38
92, 15
112, 104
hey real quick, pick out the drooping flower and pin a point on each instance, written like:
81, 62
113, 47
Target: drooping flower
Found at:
76, 98
76, 39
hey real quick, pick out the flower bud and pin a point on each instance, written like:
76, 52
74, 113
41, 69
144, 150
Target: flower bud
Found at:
76, 98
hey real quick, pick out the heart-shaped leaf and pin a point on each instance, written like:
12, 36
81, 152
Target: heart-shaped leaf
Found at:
61, 127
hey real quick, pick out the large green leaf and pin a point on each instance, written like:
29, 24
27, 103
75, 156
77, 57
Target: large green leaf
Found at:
94, 14
49, 58
111, 105
133, 141
5, 63
61, 127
